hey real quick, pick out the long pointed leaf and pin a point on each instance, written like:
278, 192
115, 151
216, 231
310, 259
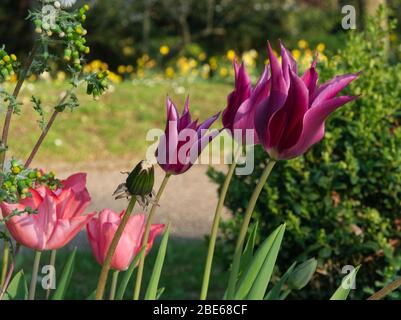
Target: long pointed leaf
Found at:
18, 288
249, 248
151, 292
261, 282
250, 274
127, 276
274, 293
65, 279
342, 293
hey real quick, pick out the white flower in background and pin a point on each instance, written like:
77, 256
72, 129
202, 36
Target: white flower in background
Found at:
67, 3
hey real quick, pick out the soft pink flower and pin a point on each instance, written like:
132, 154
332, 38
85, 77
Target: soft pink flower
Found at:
290, 119
101, 231
59, 215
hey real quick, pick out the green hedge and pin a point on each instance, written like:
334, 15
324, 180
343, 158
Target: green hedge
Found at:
342, 200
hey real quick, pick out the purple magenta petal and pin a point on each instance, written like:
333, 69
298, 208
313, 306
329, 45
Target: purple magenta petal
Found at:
310, 78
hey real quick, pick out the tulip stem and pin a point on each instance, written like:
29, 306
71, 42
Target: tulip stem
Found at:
112, 249
52, 263
152, 212
386, 290
10, 272
6, 254
114, 285
244, 229
34, 278
215, 226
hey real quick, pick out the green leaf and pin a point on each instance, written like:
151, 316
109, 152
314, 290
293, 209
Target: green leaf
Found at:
252, 271
65, 279
249, 247
92, 295
302, 274
151, 292
262, 280
160, 291
274, 293
18, 288
127, 276
342, 293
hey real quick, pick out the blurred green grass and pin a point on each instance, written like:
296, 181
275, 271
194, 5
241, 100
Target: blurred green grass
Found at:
113, 127
181, 276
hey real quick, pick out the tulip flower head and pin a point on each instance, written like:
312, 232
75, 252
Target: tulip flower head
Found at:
101, 230
291, 118
58, 218
239, 116
183, 140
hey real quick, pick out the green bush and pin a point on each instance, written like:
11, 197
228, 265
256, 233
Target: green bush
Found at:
342, 200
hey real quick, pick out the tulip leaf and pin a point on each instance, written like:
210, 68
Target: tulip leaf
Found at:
18, 288
65, 279
251, 273
159, 293
92, 296
262, 280
151, 292
127, 276
249, 247
274, 293
346, 284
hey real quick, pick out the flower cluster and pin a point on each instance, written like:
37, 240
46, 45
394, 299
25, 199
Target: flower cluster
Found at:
8, 65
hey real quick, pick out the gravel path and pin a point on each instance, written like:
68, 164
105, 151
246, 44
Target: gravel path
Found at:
188, 202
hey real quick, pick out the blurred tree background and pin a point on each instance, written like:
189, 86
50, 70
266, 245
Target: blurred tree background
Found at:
123, 30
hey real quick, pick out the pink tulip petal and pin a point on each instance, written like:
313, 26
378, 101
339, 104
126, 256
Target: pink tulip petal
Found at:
155, 230
313, 125
71, 204
310, 78
76, 182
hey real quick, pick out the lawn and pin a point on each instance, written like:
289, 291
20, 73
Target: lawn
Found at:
113, 127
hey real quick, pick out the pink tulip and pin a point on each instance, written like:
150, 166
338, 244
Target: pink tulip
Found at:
101, 231
291, 118
59, 215
183, 140
239, 115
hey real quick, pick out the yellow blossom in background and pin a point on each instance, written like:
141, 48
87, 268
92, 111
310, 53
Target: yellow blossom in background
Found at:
150, 64
13, 78
121, 69
61, 76
169, 72
223, 72
128, 51
230, 55
320, 47
205, 71
213, 63
296, 53
130, 68
115, 78
164, 50
393, 37
202, 56
303, 44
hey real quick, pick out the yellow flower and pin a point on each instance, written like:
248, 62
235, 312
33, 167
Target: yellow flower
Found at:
121, 69
130, 68
169, 72
223, 72
128, 51
202, 56
164, 50
302, 44
213, 63
230, 55
296, 53
320, 47
61, 76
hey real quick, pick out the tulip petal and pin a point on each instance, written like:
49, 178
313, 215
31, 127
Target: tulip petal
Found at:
76, 182
313, 125
71, 204
332, 87
310, 78
155, 230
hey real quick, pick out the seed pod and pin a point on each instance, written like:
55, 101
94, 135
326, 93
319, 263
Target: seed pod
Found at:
141, 180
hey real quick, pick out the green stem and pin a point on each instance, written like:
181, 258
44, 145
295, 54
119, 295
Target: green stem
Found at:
52, 263
152, 212
110, 253
114, 285
34, 278
386, 290
244, 228
215, 226
6, 254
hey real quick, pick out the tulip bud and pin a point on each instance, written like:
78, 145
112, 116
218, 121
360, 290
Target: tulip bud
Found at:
141, 180
302, 274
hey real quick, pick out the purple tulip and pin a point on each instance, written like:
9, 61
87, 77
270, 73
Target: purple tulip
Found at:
291, 118
183, 140
242, 102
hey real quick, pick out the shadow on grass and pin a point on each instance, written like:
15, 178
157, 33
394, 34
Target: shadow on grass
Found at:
181, 276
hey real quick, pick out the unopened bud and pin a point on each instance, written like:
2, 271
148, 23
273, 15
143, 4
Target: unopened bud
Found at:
141, 180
